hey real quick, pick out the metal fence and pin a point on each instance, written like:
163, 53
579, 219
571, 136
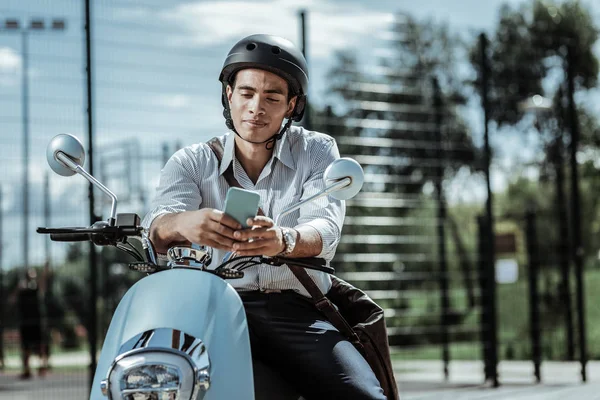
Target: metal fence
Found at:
400, 242
417, 237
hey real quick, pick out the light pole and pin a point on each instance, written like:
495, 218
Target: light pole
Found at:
2, 322
14, 26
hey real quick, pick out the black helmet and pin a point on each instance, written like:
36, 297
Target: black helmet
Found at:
273, 54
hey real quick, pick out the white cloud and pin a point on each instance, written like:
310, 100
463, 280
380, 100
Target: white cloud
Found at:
173, 101
9, 59
346, 30
10, 64
211, 23
132, 13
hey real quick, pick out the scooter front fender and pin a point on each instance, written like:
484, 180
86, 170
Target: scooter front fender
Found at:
197, 303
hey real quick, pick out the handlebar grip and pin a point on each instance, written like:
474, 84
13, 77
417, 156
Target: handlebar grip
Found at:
70, 237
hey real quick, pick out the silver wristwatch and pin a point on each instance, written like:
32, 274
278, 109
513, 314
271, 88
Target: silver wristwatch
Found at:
289, 240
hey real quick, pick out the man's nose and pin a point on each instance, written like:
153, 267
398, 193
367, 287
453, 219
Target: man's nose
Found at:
256, 105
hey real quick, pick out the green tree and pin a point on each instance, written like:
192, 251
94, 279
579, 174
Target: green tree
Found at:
515, 65
529, 41
386, 119
534, 47
549, 35
407, 133
395, 101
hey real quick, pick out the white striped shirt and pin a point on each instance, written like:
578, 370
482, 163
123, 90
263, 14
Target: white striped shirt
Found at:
192, 179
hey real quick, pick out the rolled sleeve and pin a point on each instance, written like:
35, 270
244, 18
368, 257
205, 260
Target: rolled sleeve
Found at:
325, 215
177, 189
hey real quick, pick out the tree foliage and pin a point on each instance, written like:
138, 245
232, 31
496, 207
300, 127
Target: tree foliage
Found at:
395, 101
568, 26
409, 105
532, 48
531, 40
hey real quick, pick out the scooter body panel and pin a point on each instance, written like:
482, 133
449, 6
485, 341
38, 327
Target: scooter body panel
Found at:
197, 303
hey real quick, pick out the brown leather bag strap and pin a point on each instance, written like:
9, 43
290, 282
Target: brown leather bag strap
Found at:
217, 148
325, 305
322, 303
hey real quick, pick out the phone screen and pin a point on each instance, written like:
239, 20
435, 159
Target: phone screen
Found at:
241, 204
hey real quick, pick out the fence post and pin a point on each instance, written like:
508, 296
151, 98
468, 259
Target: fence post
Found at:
306, 121
484, 324
577, 249
534, 298
441, 225
2, 300
92, 325
490, 256
487, 283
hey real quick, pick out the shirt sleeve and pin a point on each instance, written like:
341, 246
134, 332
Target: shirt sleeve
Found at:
325, 214
178, 188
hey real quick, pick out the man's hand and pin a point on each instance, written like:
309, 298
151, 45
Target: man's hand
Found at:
208, 227
263, 238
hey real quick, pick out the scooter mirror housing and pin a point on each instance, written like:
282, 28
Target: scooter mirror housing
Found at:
343, 180
66, 155
71, 147
344, 168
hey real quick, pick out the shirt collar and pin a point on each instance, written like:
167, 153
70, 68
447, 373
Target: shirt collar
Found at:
228, 151
282, 151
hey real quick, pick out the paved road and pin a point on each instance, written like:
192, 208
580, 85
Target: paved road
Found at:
419, 380
55, 386
424, 380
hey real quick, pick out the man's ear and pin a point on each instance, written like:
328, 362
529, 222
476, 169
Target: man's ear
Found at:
291, 106
229, 92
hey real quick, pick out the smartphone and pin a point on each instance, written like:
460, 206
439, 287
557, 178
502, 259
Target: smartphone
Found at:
241, 204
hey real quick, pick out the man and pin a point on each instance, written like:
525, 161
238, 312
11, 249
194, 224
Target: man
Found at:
265, 81
30, 326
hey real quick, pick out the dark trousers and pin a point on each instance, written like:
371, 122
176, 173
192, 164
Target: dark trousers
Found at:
291, 336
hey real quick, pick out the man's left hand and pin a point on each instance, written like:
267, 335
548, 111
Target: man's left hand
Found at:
263, 238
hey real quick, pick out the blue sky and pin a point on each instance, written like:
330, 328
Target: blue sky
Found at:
156, 69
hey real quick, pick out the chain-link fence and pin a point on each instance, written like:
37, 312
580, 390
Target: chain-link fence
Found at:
388, 88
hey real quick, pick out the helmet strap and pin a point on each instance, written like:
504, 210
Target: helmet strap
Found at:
271, 142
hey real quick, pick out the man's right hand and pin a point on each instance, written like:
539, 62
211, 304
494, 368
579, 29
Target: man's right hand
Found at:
208, 227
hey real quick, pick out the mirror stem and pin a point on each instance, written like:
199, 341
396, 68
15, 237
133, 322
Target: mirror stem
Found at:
337, 185
62, 157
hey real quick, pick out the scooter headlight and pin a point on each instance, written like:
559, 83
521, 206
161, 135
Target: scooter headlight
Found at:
159, 372
152, 377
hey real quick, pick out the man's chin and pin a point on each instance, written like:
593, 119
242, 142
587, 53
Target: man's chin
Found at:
257, 135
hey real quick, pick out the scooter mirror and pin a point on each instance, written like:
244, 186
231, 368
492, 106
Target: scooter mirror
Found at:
345, 168
343, 180
71, 147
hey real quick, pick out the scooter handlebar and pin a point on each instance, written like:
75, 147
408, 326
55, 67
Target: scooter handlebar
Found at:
101, 233
69, 237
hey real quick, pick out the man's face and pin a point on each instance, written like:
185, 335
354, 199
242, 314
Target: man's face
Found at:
259, 103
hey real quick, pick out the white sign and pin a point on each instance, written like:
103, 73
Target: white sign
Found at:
507, 270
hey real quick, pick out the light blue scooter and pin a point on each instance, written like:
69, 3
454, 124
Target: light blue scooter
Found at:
181, 332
